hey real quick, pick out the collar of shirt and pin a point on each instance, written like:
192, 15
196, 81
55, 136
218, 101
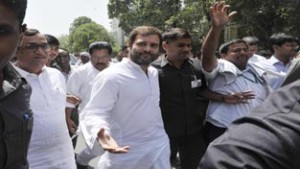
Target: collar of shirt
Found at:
251, 75
275, 61
165, 61
11, 80
132, 64
24, 73
231, 68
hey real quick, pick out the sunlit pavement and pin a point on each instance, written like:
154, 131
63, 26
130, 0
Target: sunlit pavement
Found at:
80, 145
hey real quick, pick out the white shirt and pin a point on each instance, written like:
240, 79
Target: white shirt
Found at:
256, 58
275, 69
80, 83
226, 78
48, 102
125, 101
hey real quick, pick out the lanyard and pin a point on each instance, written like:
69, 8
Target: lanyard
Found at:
255, 80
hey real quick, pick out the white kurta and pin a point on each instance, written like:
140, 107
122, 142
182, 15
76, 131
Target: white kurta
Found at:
50, 145
125, 101
80, 83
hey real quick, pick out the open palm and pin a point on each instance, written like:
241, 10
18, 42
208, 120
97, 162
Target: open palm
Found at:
109, 144
219, 14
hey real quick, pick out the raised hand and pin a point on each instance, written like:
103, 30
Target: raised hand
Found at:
219, 14
109, 144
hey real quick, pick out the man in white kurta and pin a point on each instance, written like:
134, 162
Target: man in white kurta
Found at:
125, 102
50, 145
80, 85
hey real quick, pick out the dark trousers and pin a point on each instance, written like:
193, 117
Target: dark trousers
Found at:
211, 132
190, 148
75, 118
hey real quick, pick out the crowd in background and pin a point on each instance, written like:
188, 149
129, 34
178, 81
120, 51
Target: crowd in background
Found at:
146, 109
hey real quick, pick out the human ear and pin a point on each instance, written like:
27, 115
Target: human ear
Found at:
23, 28
164, 45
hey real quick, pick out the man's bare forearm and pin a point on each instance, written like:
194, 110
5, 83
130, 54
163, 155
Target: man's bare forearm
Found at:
210, 45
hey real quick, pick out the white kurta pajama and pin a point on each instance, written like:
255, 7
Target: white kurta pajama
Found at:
50, 145
125, 101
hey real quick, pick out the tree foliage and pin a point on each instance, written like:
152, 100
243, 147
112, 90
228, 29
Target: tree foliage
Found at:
85, 34
262, 18
132, 13
64, 42
79, 21
255, 17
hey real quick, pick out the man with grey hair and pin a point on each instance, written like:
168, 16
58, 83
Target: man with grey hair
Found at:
84, 57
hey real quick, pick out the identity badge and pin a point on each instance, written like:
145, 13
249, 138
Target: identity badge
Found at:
196, 82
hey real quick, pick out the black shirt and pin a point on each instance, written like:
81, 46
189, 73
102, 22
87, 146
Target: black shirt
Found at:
15, 120
183, 111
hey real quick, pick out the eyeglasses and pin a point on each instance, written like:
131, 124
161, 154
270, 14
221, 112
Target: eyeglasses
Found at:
35, 47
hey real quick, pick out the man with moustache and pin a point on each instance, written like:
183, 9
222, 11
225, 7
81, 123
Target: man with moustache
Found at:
50, 145
80, 85
231, 73
124, 109
181, 81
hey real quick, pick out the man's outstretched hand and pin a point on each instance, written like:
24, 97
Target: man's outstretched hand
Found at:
109, 144
219, 13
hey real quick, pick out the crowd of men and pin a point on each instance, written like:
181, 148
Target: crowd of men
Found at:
147, 109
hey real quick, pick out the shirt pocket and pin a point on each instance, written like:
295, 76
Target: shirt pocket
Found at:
57, 96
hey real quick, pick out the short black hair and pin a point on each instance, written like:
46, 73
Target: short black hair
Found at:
52, 40
18, 7
100, 45
281, 38
143, 31
175, 34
